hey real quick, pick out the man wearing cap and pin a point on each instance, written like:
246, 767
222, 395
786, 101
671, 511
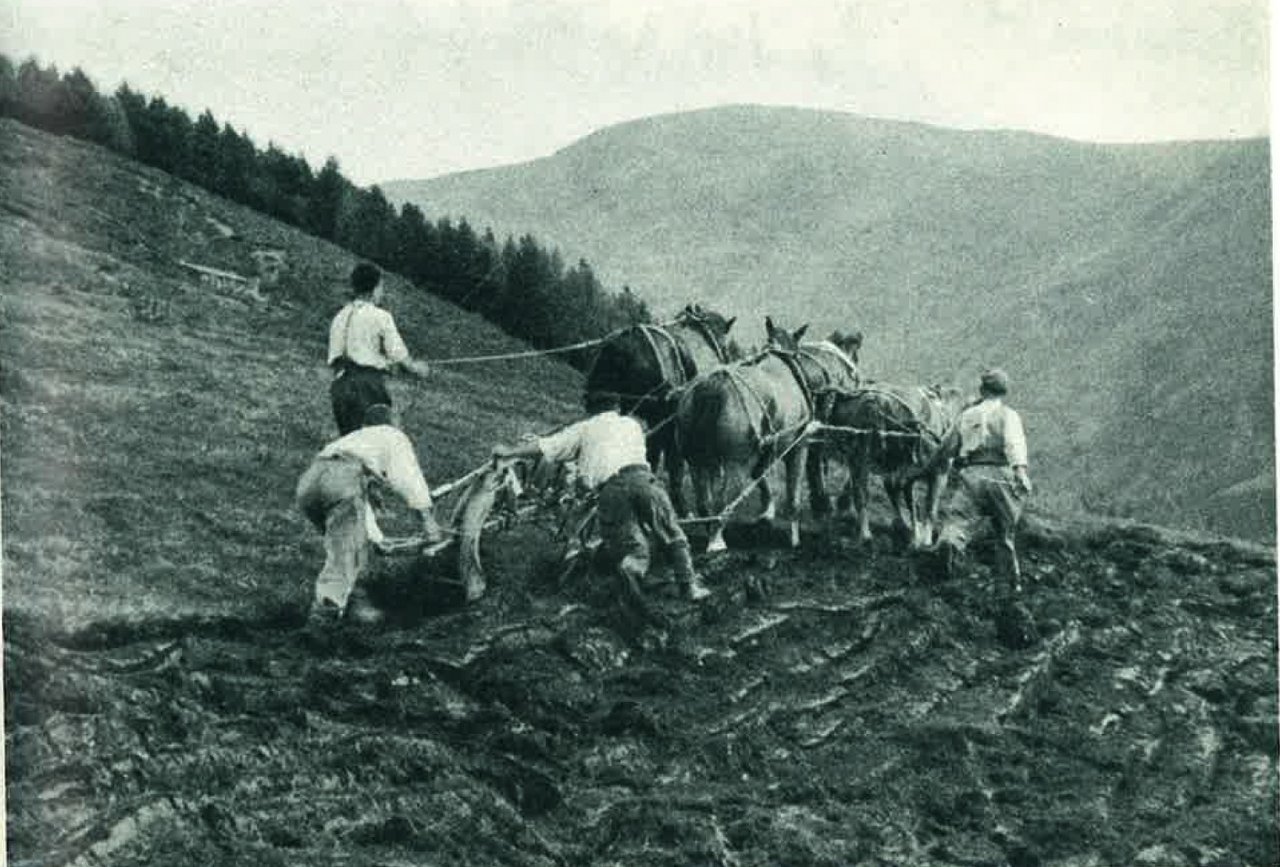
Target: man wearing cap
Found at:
609, 449
364, 345
989, 450
332, 495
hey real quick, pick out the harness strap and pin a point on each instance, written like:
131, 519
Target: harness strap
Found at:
735, 376
346, 330
650, 333
708, 335
793, 364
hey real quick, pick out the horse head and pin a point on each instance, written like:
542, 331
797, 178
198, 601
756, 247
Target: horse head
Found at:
714, 322
951, 398
780, 338
848, 342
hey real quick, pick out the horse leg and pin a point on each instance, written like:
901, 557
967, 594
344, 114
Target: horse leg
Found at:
859, 481
759, 476
815, 468
675, 476
902, 504
936, 487
703, 478
792, 504
654, 451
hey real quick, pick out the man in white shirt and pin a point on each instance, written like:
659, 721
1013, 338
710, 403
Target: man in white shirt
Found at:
364, 346
332, 495
989, 450
609, 449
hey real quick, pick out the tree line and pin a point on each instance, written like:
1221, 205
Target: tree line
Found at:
523, 287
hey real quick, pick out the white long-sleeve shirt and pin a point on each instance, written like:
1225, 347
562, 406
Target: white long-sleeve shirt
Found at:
601, 445
990, 430
388, 454
367, 335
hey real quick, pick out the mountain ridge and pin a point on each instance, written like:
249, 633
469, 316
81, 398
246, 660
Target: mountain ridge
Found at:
952, 250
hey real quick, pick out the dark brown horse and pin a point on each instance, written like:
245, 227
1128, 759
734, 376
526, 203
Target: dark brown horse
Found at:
648, 364
734, 422
891, 430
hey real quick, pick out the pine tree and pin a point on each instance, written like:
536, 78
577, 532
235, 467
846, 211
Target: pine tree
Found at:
204, 151
327, 194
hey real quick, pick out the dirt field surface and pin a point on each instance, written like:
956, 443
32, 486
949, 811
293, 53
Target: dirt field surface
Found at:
826, 707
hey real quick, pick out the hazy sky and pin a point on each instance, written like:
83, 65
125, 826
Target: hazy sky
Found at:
414, 88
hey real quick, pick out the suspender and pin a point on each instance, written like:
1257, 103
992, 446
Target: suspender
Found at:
346, 331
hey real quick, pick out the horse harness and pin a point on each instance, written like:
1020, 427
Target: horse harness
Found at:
792, 363
651, 334
916, 426
705, 332
654, 334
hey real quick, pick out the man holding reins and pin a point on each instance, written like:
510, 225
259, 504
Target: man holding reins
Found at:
989, 450
364, 346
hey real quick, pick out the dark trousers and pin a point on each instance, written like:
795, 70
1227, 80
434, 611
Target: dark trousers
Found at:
353, 390
633, 508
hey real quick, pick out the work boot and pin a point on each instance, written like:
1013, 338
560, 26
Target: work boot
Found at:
361, 610
693, 588
947, 560
324, 613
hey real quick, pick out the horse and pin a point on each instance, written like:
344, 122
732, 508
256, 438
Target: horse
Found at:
747, 415
647, 364
892, 430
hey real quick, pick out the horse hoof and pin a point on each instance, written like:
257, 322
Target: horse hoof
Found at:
795, 534
717, 543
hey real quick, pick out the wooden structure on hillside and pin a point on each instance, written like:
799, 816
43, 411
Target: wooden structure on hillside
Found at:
228, 281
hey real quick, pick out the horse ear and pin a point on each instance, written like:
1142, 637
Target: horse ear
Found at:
729, 324
856, 338
768, 324
799, 332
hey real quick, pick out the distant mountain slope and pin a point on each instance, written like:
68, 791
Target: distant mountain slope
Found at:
1126, 287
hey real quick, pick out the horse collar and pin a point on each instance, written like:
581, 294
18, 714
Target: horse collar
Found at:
705, 332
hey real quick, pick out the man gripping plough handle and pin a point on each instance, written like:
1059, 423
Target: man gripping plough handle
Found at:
633, 507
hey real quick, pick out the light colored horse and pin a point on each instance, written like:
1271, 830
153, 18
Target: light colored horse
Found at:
892, 430
736, 421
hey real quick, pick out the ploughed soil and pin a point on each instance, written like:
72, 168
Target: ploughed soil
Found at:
831, 705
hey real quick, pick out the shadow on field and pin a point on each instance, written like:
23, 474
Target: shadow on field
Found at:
412, 589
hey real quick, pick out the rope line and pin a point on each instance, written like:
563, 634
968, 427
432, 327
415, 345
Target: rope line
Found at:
507, 356
534, 353
750, 486
819, 426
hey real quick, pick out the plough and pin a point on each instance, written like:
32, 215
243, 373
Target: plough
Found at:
498, 495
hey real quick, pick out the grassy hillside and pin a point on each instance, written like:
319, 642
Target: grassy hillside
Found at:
829, 705
1127, 288
154, 427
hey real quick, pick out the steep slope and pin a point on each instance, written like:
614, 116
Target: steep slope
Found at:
154, 425
1126, 287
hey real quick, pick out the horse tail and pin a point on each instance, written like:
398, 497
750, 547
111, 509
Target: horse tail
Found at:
706, 407
699, 414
